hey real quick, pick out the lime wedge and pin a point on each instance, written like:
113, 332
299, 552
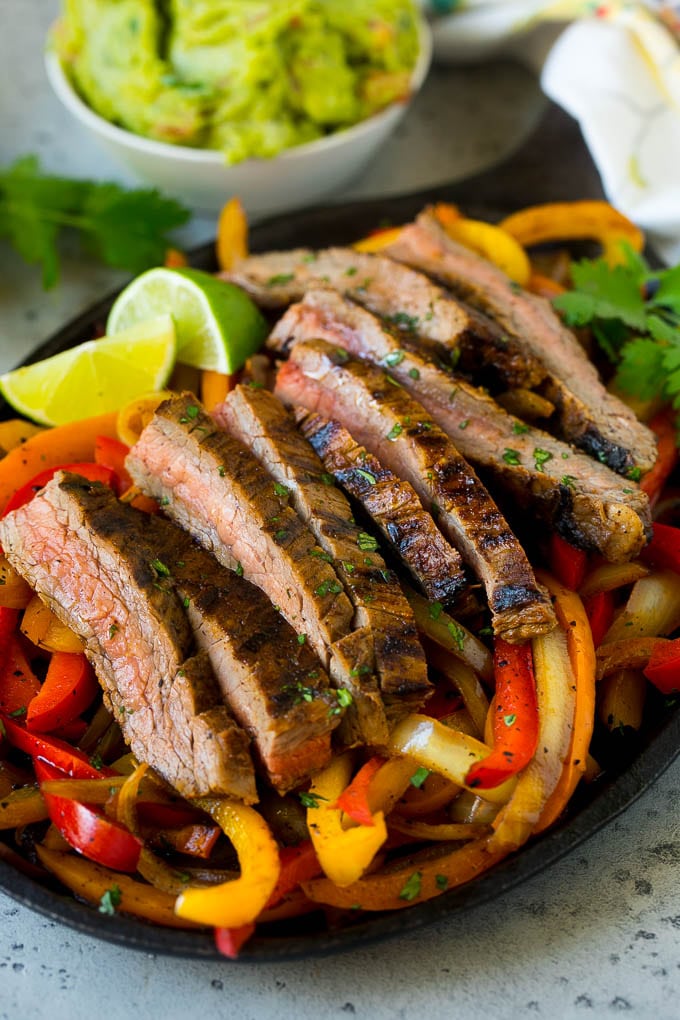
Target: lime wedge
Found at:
218, 326
95, 377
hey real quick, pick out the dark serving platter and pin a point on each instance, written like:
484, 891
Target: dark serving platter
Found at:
527, 177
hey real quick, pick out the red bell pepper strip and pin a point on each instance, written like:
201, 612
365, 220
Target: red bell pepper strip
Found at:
70, 687
567, 563
194, 840
354, 798
93, 472
167, 816
111, 453
515, 721
663, 668
53, 751
18, 683
72, 732
87, 830
298, 864
230, 940
600, 612
663, 426
442, 702
664, 549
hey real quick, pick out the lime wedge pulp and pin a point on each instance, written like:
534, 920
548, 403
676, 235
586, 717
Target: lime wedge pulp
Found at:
95, 377
218, 326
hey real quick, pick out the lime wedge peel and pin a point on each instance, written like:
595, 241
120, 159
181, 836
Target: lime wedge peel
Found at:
218, 326
95, 377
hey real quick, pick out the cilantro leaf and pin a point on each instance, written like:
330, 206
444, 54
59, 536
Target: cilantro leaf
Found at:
668, 294
640, 368
125, 229
604, 292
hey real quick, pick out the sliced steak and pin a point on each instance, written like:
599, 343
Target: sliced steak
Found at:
214, 488
407, 299
391, 424
585, 500
90, 558
392, 504
257, 417
588, 414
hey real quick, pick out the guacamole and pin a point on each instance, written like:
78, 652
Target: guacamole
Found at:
247, 77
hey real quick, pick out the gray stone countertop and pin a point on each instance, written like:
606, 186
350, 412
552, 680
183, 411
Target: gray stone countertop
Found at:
596, 935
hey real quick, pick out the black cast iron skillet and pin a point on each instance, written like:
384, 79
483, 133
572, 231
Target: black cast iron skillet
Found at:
554, 165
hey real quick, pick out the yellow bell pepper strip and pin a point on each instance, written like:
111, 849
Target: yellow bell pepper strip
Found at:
378, 240
434, 793
441, 628
344, 854
621, 698
573, 621
15, 593
132, 419
610, 576
45, 630
22, 807
92, 882
447, 752
232, 234
233, 904
555, 695
389, 784
415, 879
493, 243
514, 720
575, 221
16, 431
64, 444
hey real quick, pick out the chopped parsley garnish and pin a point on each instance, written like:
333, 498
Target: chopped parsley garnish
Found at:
281, 535
510, 720
634, 474
351, 271
113, 630
110, 901
569, 481
360, 670
366, 475
192, 411
321, 555
419, 777
300, 692
301, 638
464, 424
348, 567
279, 279
395, 431
404, 321
414, 373
18, 712
185, 602
435, 610
411, 887
340, 355
395, 358
239, 570
327, 479
96, 762
541, 457
441, 881
310, 800
366, 542
511, 456
328, 586
519, 428
221, 470
160, 568
344, 699
457, 633
281, 490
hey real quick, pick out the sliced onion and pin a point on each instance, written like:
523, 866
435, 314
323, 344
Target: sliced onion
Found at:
611, 576
653, 608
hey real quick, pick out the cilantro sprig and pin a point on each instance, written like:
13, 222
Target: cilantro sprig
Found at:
634, 314
126, 229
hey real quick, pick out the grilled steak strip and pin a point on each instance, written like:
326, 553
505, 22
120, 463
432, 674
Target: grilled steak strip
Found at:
588, 414
90, 559
392, 504
215, 489
257, 417
407, 299
401, 434
585, 500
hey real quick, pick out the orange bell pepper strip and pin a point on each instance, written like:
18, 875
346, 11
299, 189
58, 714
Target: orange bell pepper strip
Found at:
19, 686
515, 718
45, 630
377, 240
215, 386
663, 426
344, 854
236, 903
69, 687
232, 234
15, 593
573, 620
64, 444
567, 563
544, 286
175, 259
22, 807
573, 221
91, 882
353, 800
16, 431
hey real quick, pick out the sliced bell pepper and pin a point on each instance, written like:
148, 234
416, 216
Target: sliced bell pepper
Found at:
664, 549
236, 903
111, 453
567, 563
583, 220
663, 668
22, 807
377, 240
600, 612
87, 831
15, 593
44, 629
493, 243
353, 800
195, 840
87, 469
215, 386
298, 864
91, 882
62, 756
230, 941
175, 259
19, 685
232, 234
69, 687
344, 854
663, 426
515, 719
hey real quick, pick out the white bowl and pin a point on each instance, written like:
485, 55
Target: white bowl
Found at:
200, 178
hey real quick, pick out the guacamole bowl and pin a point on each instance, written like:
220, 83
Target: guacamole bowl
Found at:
201, 178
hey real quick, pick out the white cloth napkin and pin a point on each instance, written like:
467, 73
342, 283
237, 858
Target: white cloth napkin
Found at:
616, 69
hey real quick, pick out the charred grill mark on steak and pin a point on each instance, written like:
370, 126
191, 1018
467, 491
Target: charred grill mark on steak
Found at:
588, 414
257, 417
90, 558
585, 500
214, 488
394, 506
399, 431
404, 297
